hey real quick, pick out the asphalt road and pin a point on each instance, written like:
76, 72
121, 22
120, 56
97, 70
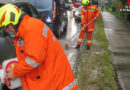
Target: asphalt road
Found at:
72, 29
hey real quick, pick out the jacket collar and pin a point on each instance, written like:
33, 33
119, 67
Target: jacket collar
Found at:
17, 35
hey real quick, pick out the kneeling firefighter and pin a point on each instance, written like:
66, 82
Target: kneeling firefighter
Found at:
42, 63
89, 13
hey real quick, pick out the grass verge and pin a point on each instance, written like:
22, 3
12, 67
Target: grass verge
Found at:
95, 68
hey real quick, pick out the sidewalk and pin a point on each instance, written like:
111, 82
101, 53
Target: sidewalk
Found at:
118, 35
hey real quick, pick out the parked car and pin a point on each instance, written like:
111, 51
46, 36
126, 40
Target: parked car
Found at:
52, 11
76, 3
45, 8
61, 22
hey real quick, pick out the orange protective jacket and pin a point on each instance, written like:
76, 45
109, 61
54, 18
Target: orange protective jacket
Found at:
42, 63
87, 14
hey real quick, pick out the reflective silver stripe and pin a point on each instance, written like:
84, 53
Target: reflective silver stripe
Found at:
83, 28
54, 38
70, 85
85, 10
20, 43
31, 62
90, 10
45, 29
89, 41
99, 12
82, 17
91, 29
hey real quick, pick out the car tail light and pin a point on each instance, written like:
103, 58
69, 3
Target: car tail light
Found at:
76, 4
0, 67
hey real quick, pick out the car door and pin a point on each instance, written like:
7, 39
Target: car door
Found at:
7, 49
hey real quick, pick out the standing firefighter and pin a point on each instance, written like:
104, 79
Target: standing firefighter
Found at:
42, 63
89, 13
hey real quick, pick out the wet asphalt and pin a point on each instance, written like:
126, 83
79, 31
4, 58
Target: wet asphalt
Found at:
72, 29
118, 35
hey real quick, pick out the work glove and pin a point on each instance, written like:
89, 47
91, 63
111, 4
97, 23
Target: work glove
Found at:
82, 26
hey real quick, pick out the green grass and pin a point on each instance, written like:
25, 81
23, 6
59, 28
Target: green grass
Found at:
96, 71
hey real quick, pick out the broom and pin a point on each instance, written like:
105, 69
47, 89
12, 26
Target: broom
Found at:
66, 42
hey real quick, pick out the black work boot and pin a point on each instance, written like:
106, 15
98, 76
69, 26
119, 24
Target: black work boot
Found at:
77, 47
88, 47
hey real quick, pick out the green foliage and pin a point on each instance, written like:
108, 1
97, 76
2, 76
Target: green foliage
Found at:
115, 9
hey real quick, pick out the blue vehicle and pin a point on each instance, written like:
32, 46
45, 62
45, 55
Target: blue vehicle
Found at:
54, 13
45, 8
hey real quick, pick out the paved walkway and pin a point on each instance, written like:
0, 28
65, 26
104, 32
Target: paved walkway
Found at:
118, 35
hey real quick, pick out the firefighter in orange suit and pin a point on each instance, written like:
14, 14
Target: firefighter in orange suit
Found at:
42, 63
89, 13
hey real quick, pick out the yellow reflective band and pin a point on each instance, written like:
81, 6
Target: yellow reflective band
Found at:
80, 39
12, 65
82, 15
92, 7
82, 9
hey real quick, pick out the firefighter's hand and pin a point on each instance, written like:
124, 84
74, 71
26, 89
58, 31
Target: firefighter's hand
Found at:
9, 75
95, 18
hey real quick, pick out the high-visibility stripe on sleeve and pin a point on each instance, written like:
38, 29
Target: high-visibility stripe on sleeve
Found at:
91, 10
31, 62
85, 10
71, 85
45, 29
82, 16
